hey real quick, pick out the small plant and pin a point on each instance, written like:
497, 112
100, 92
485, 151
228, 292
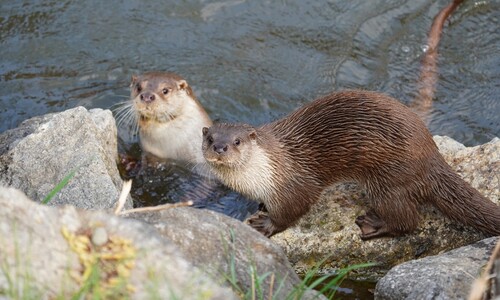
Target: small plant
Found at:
59, 186
64, 182
106, 268
324, 284
20, 282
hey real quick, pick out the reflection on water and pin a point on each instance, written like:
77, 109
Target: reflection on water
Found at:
170, 183
249, 61
355, 290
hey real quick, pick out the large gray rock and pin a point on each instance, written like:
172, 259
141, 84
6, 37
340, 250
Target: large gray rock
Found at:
38, 154
219, 244
329, 228
446, 276
38, 262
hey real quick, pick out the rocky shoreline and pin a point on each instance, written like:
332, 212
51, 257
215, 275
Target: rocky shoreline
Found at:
191, 249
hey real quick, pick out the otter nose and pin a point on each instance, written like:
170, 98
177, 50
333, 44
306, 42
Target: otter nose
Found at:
147, 97
220, 148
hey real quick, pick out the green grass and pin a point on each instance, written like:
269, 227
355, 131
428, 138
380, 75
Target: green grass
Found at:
326, 284
20, 285
64, 182
59, 186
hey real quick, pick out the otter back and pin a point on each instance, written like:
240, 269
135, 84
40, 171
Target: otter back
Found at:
347, 136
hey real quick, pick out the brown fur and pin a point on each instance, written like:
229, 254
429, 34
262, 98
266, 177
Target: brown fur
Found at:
347, 136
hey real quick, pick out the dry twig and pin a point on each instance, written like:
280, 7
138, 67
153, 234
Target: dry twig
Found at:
482, 287
127, 185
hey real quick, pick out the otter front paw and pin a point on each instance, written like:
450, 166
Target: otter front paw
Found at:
129, 167
261, 222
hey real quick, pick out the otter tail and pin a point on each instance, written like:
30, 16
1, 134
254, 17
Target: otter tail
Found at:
459, 201
428, 74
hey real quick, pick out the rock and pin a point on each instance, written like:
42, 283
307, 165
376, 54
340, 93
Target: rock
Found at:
329, 228
478, 165
36, 156
45, 252
446, 276
217, 244
185, 254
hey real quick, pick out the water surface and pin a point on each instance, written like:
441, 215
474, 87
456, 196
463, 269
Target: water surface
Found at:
249, 61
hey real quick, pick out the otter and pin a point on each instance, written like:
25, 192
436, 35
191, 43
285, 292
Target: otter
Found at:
169, 120
360, 136
168, 116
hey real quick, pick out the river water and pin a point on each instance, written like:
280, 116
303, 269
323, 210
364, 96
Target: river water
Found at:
249, 61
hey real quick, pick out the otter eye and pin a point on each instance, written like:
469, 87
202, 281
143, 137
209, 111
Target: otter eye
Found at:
210, 140
165, 91
237, 142
138, 88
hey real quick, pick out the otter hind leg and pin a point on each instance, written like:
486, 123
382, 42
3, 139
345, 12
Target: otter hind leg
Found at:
394, 213
372, 226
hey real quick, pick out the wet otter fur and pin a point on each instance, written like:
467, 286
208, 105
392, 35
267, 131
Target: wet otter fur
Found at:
359, 136
169, 118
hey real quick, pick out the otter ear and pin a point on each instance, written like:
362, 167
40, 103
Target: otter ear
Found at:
182, 84
133, 80
252, 135
204, 130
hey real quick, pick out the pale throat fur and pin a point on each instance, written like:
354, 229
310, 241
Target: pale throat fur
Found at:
176, 137
253, 178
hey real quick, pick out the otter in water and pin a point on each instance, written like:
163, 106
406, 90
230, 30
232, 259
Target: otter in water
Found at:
359, 136
168, 115
169, 119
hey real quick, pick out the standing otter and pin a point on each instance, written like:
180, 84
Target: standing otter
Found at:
359, 136
168, 115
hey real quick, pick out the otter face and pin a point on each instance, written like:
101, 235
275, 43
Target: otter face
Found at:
158, 96
228, 145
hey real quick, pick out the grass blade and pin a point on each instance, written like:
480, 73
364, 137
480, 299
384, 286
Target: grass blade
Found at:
59, 186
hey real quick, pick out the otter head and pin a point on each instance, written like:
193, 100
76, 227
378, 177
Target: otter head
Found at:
228, 145
159, 96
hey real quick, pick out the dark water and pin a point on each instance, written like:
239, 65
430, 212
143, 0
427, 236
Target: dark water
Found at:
355, 290
249, 61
